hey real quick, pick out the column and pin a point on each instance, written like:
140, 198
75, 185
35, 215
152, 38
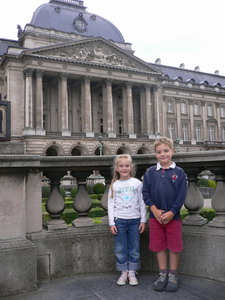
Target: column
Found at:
156, 109
130, 112
204, 125
124, 91
219, 136
149, 116
109, 109
179, 133
29, 122
192, 129
39, 103
164, 121
143, 111
64, 106
87, 114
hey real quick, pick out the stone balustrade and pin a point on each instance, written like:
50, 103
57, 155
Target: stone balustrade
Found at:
35, 251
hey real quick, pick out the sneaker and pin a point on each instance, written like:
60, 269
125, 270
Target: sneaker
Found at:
123, 278
172, 284
132, 278
161, 282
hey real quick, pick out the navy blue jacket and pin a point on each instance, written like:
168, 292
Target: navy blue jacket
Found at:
165, 189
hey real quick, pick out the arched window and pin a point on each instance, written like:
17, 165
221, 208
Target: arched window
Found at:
76, 152
51, 151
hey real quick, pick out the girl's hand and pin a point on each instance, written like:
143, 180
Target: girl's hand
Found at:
142, 227
113, 229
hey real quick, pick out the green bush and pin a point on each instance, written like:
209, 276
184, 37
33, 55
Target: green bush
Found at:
62, 192
208, 213
212, 183
203, 182
89, 188
69, 204
45, 191
99, 188
94, 196
100, 196
74, 191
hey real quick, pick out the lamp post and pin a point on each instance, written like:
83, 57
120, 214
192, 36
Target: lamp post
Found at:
100, 146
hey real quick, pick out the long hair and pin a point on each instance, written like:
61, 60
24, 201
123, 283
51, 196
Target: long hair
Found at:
115, 174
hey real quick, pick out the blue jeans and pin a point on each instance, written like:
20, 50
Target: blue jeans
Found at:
127, 244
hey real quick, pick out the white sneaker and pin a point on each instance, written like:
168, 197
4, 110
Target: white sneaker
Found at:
132, 278
123, 278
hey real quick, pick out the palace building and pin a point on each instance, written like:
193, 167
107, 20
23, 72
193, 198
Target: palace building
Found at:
71, 85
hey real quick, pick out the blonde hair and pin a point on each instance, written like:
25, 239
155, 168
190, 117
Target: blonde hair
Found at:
115, 174
163, 140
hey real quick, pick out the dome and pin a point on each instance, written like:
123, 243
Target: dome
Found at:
71, 16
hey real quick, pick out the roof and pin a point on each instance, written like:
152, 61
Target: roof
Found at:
5, 44
71, 16
193, 76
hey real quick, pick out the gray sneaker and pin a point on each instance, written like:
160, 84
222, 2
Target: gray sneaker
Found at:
172, 284
161, 282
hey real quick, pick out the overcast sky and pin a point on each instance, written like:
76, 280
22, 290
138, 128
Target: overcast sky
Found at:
176, 31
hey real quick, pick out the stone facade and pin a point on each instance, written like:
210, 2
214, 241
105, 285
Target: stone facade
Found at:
71, 93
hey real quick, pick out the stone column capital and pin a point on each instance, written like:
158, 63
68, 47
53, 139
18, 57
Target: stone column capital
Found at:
28, 72
63, 76
39, 73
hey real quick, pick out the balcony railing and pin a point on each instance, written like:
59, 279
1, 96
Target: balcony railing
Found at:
56, 249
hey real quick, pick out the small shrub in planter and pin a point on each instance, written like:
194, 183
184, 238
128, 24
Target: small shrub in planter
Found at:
94, 196
208, 213
99, 188
62, 192
45, 191
89, 189
212, 183
203, 182
74, 191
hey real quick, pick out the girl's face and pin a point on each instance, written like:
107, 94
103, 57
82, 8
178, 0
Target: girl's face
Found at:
123, 167
164, 155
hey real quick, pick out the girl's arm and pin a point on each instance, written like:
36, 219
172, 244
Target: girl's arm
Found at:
111, 202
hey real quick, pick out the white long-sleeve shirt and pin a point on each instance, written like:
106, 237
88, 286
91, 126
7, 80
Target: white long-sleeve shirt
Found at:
127, 201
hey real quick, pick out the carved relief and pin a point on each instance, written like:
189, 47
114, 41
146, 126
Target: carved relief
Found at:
94, 52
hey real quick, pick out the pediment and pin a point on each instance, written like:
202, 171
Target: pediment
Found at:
93, 51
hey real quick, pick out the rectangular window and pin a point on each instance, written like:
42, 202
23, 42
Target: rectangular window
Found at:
183, 107
44, 121
170, 106
101, 125
210, 110
223, 134
211, 133
5, 120
222, 112
171, 131
120, 126
196, 109
185, 132
198, 133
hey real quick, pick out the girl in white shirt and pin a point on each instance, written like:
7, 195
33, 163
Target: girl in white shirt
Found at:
127, 218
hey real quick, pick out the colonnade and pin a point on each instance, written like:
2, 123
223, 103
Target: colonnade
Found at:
147, 114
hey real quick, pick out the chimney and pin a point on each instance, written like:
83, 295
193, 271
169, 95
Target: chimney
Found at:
182, 66
158, 61
197, 68
217, 72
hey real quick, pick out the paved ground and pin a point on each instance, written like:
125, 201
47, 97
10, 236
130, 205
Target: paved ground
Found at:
103, 287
